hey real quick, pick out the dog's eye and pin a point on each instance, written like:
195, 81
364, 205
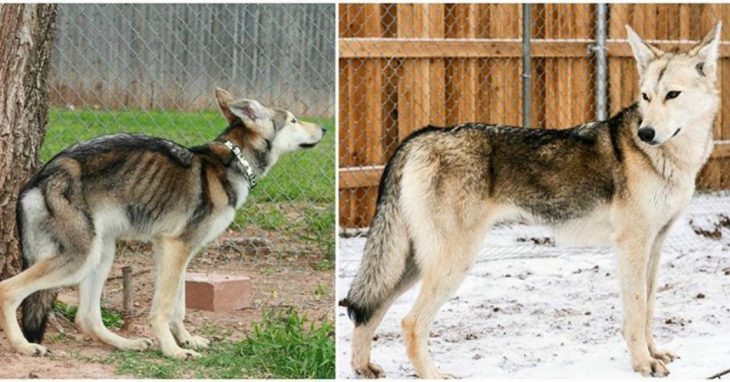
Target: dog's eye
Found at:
293, 121
673, 94
645, 97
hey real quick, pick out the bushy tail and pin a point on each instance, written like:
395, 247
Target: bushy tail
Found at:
37, 306
36, 309
387, 259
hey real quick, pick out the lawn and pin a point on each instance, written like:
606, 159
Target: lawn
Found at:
295, 200
283, 345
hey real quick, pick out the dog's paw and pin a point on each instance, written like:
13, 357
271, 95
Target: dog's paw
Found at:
652, 368
33, 350
664, 355
138, 344
371, 371
183, 354
439, 375
195, 342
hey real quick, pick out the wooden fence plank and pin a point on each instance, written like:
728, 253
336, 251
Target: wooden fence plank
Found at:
557, 79
581, 69
355, 177
373, 127
724, 79
414, 101
437, 67
463, 75
492, 48
507, 93
684, 22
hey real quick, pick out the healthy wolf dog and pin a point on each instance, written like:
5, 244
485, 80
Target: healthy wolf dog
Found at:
71, 213
626, 179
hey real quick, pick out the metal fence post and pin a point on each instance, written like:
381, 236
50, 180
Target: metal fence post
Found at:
601, 61
526, 69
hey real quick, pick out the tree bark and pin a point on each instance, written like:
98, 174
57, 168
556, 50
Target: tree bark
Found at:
26, 42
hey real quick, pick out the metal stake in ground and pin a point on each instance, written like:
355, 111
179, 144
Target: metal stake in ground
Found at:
127, 295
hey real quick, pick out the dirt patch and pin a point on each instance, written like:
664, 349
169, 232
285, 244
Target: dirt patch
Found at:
711, 228
279, 280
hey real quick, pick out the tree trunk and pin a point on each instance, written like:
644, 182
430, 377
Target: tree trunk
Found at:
26, 42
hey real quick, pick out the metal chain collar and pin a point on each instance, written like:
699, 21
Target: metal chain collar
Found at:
250, 176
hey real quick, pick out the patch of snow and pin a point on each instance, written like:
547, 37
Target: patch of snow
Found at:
536, 310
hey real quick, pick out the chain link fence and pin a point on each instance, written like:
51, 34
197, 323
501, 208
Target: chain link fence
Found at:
153, 69
405, 66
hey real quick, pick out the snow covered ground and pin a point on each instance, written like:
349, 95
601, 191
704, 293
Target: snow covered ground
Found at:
535, 310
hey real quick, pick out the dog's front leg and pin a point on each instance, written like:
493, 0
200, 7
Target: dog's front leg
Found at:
183, 337
172, 257
656, 252
633, 252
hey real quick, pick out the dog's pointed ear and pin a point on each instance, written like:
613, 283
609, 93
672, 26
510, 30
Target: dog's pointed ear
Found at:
707, 52
224, 99
248, 109
643, 52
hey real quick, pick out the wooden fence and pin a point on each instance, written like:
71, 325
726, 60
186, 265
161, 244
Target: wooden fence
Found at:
405, 66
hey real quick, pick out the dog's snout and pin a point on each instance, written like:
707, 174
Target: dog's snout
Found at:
647, 134
324, 130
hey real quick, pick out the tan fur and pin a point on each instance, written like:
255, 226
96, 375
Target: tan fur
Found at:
172, 260
217, 194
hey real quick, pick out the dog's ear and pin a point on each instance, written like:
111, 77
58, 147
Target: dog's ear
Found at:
707, 51
248, 109
643, 52
224, 99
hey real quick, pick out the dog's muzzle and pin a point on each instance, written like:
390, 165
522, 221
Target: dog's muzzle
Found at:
310, 145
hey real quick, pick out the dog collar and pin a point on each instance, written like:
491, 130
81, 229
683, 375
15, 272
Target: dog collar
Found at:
250, 176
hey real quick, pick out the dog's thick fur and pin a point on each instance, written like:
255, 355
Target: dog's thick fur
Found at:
604, 181
72, 212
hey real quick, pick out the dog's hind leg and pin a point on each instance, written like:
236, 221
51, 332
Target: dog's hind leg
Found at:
362, 337
88, 316
183, 337
172, 256
655, 256
444, 263
633, 253
47, 273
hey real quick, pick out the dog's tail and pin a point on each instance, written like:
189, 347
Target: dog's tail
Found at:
387, 259
37, 306
36, 309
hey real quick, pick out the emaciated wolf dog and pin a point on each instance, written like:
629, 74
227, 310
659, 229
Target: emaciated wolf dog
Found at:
626, 179
71, 213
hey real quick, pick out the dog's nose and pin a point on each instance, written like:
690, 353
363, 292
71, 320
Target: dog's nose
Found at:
647, 134
323, 130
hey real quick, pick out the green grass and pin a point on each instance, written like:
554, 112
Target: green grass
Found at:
306, 177
319, 228
268, 216
283, 345
111, 319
